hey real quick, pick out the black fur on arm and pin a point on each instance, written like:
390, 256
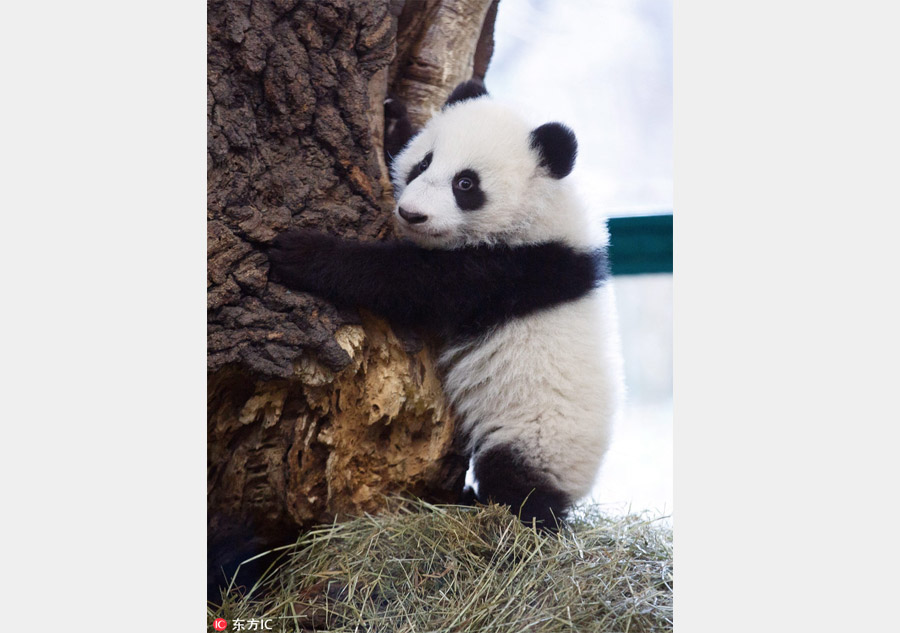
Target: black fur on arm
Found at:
461, 291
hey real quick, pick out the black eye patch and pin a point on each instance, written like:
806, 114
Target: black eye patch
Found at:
467, 190
420, 167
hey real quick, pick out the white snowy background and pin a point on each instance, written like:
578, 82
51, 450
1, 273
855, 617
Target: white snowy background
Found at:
604, 67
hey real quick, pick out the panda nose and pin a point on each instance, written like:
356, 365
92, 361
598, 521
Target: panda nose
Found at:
412, 218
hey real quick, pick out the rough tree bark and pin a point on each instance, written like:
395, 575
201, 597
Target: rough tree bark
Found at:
315, 413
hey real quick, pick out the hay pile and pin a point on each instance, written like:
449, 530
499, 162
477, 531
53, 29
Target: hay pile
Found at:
422, 568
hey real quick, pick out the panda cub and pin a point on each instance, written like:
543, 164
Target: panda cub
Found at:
500, 263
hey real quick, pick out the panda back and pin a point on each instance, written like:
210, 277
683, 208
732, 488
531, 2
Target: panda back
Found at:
548, 384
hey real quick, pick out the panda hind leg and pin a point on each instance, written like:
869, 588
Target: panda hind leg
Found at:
505, 477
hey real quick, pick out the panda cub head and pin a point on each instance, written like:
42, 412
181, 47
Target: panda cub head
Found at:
477, 173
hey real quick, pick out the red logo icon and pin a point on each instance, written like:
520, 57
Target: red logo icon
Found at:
220, 624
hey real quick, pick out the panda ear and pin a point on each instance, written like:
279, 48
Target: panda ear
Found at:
471, 89
557, 147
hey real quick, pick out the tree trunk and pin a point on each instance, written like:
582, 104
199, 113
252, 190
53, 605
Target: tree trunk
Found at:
314, 413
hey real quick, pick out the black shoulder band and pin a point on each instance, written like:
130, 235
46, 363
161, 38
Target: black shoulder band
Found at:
450, 292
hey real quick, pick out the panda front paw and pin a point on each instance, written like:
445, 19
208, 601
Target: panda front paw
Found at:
394, 109
397, 128
294, 257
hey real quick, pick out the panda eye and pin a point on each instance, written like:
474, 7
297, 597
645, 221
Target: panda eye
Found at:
467, 190
419, 167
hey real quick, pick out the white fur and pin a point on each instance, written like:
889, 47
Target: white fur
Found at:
551, 381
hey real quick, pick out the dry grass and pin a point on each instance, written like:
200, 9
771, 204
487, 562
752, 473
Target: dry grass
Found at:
422, 568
